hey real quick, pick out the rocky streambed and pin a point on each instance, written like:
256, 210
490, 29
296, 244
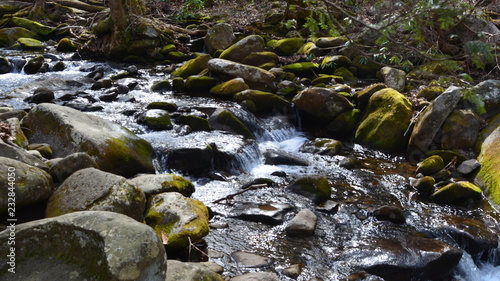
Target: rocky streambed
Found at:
277, 174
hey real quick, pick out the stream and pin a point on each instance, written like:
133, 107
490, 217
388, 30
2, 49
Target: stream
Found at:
347, 236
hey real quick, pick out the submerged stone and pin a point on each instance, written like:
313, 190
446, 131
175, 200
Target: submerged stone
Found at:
316, 188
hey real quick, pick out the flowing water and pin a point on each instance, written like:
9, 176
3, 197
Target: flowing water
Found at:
347, 234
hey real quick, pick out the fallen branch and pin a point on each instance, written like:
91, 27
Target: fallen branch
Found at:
231, 196
80, 5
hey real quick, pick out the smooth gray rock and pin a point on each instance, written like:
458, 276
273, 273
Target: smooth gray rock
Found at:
91, 245
303, 224
16, 153
257, 276
219, 37
250, 260
394, 78
321, 104
155, 184
468, 166
252, 75
190, 271
62, 168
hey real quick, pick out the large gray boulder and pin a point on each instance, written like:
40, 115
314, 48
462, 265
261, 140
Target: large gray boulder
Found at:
190, 271
321, 104
92, 189
114, 148
219, 37
485, 99
430, 121
14, 152
252, 75
239, 50
27, 184
92, 245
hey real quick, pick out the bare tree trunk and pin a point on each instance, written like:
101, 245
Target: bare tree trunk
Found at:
122, 14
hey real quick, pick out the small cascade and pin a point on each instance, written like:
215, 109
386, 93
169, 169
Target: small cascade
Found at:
468, 270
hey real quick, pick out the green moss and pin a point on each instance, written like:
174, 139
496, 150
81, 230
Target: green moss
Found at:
263, 101
180, 184
430, 93
168, 106
195, 122
167, 49
229, 88
346, 122
66, 45
197, 83
288, 46
193, 66
456, 192
9, 36
131, 154
301, 68
29, 44
229, 119
34, 26
425, 185
430, 165
326, 79
161, 86
259, 58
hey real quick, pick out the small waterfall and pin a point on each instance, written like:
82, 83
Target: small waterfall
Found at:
468, 270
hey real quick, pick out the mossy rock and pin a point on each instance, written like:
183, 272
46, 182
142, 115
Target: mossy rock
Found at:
9, 36
322, 146
437, 68
308, 49
178, 85
330, 42
260, 58
489, 173
229, 88
34, 65
425, 185
345, 122
241, 49
140, 47
167, 49
177, 56
225, 120
346, 74
195, 122
29, 44
430, 165
156, 184
200, 83
366, 68
457, 192
156, 119
66, 45
430, 93
288, 46
161, 86
330, 63
316, 188
302, 68
321, 104
7, 7
264, 102
193, 66
385, 121
326, 79
364, 95
34, 26
390, 213
182, 220
460, 130
168, 106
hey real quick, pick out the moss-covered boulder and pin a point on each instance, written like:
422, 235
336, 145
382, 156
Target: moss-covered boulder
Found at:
193, 66
457, 191
11, 7
176, 56
225, 120
393, 78
288, 46
256, 78
34, 26
156, 119
430, 93
385, 121
155, 184
264, 102
238, 51
66, 45
346, 122
196, 123
168, 106
365, 68
29, 44
321, 104
66, 130
219, 37
34, 65
200, 84
430, 165
488, 176
364, 95
260, 58
330, 63
460, 130
9, 36
302, 68
182, 220
316, 188
327, 79
27, 184
346, 74
90, 245
229, 88
322, 146
425, 185
91, 189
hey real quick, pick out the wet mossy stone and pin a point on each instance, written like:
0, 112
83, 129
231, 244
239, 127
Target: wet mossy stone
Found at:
264, 102
91, 189
364, 95
32, 184
34, 65
193, 66
425, 185
66, 45
460, 130
167, 49
390, 213
178, 84
330, 63
326, 79
155, 184
229, 88
316, 188
182, 220
191, 160
29, 44
34, 26
309, 49
322, 146
168, 106
288, 46
301, 68
346, 74
489, 173
457, 192
161, 86
260, 58
5, 65
156, 119
345, 122
430, 165
239, 50
196, 123
321, 104
177, 56
385, 121
225, 120
200, 83
430, 93
9, 36
91, 245
66, 130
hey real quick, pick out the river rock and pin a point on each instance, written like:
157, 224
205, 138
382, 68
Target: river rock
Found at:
91, 245
253, 76
257, 276
321, 104
114, 148
225, 120
26, 183
155, 119
34, 26
196, 123
238, 51
62, 168
468, 166
288, 46
394, 78
30, 44
345, 123
41, 95
229, 88
95, 190
430, 121
430, 165
269, 213
182, 220
301, 68
17, 135
195, 160
303, 224
390, 213
280, 157
316, 188
161, 86
9, 36
330, 63
261, 59
460, 130
263, 102
430, 93
5, 65
219, 37
364, 95
66, 45
200, 84
12, 113
155, 184
385, 121
250, 260
425, 185
16, 153
487, 96
190, 271
322, 146
193, 66
457, 192
34, 65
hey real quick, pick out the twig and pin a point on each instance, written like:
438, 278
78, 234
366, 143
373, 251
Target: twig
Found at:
191, 245
231, 196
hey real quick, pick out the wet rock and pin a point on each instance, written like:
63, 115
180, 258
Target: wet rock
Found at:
5, 65
279, 157
110, 246
430, 165
41, 95
193, 66
330, 63
293, 271
155, 184
301, 68
364, 95
261, 58
394, 78
229, 88
250, 260
425, 185
457, 192
430, 121
196, 123
155, 119
161, 86
200, 84
168, 106
487, 95
257, 276
114, 148
219, 37
102, 84
16, 153
390, 213
191, 160
34, 65
303, 224
12, 113
9, 36
322, 146
182, 220
460, 130
385, 121
270, 213
255, 77
321, 104
225, 120
316, 188
29, 44
468, 166
264, 102
345, 123
238, 51
190, 271
324, 79
62, 168
288, 46
32, 184
94, 190
66, 45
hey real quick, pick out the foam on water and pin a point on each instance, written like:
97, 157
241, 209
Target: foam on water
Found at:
469, 271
